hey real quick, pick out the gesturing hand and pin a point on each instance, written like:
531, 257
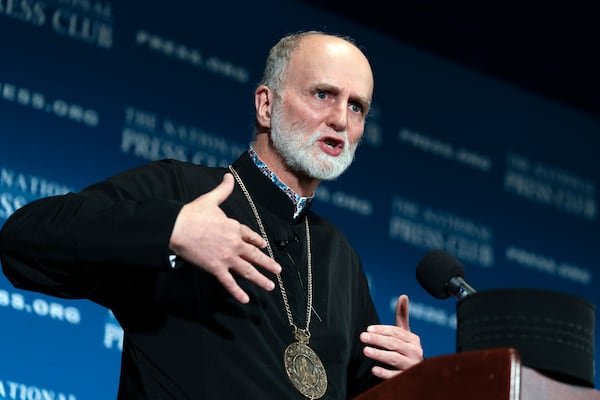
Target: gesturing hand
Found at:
204, 236
395, 346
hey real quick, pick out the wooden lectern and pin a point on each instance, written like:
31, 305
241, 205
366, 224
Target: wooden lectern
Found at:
494, 374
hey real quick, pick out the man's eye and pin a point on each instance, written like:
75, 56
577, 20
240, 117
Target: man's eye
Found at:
321, 94
356, 108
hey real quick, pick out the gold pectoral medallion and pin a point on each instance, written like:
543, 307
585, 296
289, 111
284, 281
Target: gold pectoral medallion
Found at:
305, 369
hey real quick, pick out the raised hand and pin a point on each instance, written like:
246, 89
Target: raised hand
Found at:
395, 346
204, 236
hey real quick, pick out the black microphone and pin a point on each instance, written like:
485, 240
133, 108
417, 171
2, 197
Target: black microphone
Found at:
442, 275
283, 236
281, 243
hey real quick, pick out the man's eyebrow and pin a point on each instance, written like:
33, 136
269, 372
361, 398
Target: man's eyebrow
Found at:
364, 101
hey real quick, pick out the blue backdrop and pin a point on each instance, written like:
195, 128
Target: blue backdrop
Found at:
451, 159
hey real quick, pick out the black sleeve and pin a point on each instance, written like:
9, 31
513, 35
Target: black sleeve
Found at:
69, 245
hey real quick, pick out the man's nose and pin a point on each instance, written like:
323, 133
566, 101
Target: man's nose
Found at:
338, 117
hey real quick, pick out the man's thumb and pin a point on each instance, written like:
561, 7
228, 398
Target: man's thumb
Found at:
223, 190
402, 312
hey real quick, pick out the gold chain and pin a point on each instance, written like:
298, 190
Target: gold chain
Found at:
302, 335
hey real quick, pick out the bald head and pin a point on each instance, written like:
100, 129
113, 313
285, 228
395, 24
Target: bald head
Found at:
305, 46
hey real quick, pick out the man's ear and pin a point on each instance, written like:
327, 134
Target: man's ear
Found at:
263, 102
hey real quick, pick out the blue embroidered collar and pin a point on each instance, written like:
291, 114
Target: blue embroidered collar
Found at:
300, 202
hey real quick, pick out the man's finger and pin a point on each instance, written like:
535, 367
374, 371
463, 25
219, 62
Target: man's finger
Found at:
233, 288
248, 272
253, 255
252, 237
221, 192
402, 312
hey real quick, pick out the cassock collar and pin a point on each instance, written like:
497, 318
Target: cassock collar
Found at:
265, 192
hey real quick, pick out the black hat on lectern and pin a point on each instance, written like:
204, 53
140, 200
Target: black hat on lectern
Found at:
553, 332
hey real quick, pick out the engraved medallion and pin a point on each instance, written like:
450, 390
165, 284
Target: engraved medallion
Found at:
305, 370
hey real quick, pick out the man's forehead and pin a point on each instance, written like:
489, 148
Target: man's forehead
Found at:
331, 61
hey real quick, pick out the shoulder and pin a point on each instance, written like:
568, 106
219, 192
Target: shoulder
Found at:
184, 171
165, 178
195, 178
185, 167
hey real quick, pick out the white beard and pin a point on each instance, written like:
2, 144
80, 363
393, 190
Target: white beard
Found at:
303, 154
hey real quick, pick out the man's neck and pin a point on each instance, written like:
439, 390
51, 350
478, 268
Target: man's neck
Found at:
301, 184
300, 202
